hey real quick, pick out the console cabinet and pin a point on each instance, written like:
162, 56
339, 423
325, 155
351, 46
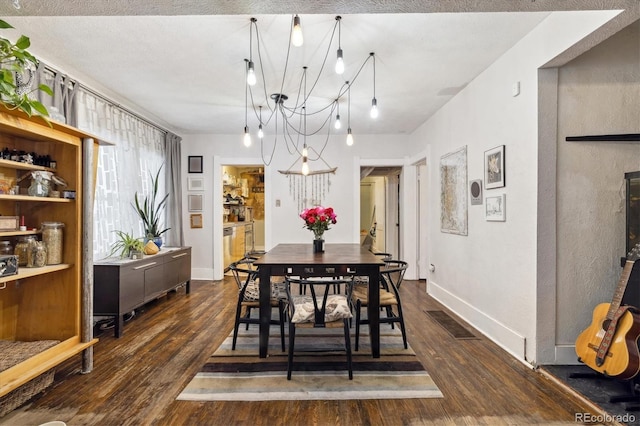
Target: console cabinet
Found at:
47, 303
122, 285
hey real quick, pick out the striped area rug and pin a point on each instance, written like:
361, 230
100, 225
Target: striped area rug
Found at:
319, 372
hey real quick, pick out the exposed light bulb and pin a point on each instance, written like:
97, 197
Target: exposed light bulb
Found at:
339, 63
305, 153
296, 36
305, 167
247, 137
260, 132
374, 108
251, 75
349, 137
337, 124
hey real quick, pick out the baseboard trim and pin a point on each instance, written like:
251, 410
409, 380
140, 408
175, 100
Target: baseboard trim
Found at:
495, 331
202, 274
566, 355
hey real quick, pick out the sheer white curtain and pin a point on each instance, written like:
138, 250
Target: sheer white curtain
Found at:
123, 169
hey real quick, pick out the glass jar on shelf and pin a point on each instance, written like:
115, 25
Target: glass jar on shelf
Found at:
37, 255
52, 237
6, 248
39, 183
23, 247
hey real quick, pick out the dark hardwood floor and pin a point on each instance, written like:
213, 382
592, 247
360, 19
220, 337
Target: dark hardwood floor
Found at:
137, 378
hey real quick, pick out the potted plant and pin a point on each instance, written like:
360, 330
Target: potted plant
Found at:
16, 65
150, 210
127, 246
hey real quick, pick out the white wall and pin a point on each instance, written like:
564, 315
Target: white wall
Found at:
489, 276
282, 224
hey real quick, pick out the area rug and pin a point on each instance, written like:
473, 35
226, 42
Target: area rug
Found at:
320, 373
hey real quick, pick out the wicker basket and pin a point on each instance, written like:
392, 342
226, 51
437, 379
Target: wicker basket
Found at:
12, 353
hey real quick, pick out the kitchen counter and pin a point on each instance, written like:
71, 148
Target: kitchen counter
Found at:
235, 224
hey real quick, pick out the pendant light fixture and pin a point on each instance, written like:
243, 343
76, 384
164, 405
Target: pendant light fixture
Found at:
260, 132
296, 36
247, 136
339, 60
251, 74
337, 125
374, 101
349, 134
298, 119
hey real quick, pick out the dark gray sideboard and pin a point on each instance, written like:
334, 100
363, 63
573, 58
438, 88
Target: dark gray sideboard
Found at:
122, 285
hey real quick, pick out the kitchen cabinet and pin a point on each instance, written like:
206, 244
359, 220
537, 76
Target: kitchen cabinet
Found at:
122, 285
46, 303
237, 241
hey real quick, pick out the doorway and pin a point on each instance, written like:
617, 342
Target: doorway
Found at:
243, 211
380, 209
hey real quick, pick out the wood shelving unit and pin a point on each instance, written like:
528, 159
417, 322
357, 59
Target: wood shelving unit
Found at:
45, 303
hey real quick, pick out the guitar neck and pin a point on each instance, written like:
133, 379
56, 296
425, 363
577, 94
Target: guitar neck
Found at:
622, 286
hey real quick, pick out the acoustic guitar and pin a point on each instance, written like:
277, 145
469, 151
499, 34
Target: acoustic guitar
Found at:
610, 344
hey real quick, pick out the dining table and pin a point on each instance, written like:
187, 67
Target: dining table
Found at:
336, 260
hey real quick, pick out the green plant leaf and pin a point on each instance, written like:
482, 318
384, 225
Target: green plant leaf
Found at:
46, 89
39, 108
4, 25
23, 42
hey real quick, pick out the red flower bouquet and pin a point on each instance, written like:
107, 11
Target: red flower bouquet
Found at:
318, 219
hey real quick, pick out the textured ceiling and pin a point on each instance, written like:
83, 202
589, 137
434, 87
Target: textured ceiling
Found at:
182, 64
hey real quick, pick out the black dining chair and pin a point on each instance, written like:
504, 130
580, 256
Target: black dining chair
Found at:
318, 309
391, 276
246, 277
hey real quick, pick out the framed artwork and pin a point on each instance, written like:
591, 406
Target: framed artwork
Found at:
195, 184
453, 192
494, 162
475, 191
195, 202
195, 164
495, 208
196, 220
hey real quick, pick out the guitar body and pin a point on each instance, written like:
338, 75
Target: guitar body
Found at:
623, 358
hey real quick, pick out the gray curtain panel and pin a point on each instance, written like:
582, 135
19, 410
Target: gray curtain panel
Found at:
175, 235
64, 93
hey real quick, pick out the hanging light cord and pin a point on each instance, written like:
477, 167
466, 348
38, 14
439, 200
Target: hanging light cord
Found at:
290, 132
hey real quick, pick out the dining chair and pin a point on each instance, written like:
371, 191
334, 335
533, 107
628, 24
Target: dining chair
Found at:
391, 276
246, 277
318, 309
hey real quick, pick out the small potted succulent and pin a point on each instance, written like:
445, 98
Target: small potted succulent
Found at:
127, 246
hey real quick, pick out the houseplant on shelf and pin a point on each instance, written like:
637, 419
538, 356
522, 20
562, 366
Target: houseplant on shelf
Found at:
127, 246
150, 210
16, 64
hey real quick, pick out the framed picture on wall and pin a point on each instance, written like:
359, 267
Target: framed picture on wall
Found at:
196, 220
494, 167
195, 164
195, 202
453, 192
475, 191
195, 184
495, 208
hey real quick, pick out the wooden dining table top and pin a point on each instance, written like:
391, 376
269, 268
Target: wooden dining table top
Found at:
334, 254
